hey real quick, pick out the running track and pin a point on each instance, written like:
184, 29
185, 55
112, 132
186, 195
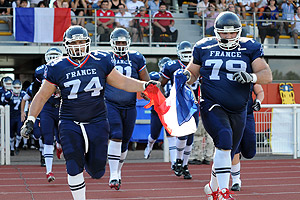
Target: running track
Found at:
261, 179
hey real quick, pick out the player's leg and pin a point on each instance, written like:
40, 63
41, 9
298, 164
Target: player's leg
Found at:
180, 145
47, 131
248, 149
208, 149
155, 128
57, 143
73, 145
186, 155
172, 149
95, 158
37, 136
129, 118
12, 136
114, 146
18, 125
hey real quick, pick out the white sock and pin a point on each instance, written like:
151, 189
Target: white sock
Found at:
18, 140
235, 174
151, 142
121, 162
48, 153
172, 149
180, 145
25, 141
77, 186
12, 142
213, 179
41, 146
114, 153
222, 164
186, 154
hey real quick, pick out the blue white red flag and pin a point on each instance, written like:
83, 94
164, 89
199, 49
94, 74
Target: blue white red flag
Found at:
176, 111
43, 25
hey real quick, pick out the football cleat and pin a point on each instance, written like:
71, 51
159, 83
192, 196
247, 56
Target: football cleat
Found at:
186, 173
178, 167
59, 150
12, 153
50, 177
173, 166
25, 147
225, 194
43, 164
147, 152
114, 184
211, 195
236, 187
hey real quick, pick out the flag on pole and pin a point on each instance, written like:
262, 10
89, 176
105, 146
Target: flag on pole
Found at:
43, 25
176, 111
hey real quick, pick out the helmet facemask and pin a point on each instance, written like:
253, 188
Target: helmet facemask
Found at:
51, 55
8, 85
119, 49
185, 55
17, 88
228, 44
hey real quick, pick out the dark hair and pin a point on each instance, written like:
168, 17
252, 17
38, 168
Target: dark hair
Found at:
41, 3
104, 1
274, 0
162, 3
23, 1
121, 5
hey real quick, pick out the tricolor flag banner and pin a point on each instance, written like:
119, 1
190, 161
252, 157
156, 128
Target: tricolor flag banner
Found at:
175, 112
43, 25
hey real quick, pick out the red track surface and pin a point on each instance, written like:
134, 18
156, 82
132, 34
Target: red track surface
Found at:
261, 180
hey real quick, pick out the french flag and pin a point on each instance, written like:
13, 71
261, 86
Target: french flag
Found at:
176, 111
42, 25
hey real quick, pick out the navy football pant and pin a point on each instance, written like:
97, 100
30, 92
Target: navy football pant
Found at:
122, 122
248, 143
156, 125
225, 128
15, 126
49, 124
73, 145
36, 129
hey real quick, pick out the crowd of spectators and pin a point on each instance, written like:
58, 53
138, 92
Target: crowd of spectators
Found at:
126, 13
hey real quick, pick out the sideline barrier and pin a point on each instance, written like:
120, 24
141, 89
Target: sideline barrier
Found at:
5, 135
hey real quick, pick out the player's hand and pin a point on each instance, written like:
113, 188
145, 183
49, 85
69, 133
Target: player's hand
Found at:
187, 74
151, 82
243, 77
256, 105
27, 128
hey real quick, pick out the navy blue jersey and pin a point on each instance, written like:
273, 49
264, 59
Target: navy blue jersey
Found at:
168, 71
82, 85
39, 73
218, 67
14, 101
129, 65
29, 90
2, 92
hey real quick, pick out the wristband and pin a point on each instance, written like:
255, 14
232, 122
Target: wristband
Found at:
32, 118
144, 85
254, 78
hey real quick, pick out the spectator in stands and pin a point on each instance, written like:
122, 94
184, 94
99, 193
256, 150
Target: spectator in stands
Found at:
57, 4
126, 22
222, 6
287, 14
145, 3
192, 8
143, 24
105, 25
211, 15
41, 4
153, 6
202, 6
246, 6
114, 5
80, 9
4, 12
296, 27
66, 4
260, 5
234, 9
164, 30
92, 4
133, 6
24, 4
180, 2
267, 27
272, 4
34, 3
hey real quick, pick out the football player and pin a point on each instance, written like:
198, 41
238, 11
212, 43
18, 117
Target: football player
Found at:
156, 124
183, 144
83, 127
247, 147
13, 98
228, 65
49, 115
6, 85
121, 105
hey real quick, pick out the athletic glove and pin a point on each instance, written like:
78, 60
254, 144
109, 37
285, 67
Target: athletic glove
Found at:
256, 105
244, 77
187, 74
27, 128
151, 82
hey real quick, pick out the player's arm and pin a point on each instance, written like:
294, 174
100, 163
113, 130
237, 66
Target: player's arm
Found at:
41, 98
163, 81
23, 102
144, 75
262, 71
118, 80
259, 92
194, 70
